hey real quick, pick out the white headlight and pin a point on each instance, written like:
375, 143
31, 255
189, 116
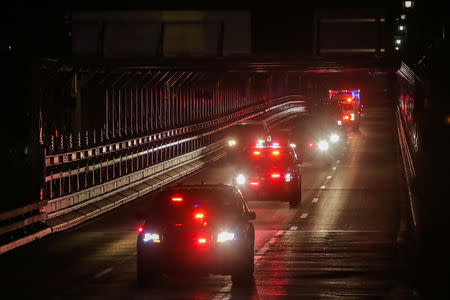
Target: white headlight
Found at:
240, 179
225, 236
334, 138
154, 237
231, 143
339, 122
287, 177
323, 145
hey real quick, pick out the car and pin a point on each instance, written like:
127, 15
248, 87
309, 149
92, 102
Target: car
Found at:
316, 138
202, 228
270, 170
243, 133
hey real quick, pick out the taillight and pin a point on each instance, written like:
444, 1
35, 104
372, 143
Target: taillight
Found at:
275, 145
310, 144
346, 117
349, 100
202, 240
177, 199
254, 183
275, 153
275, 175
140, 229
256, 153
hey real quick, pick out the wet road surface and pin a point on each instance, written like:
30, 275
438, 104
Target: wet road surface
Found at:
342, 241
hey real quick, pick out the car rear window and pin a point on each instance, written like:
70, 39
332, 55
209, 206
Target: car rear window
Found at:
215, 202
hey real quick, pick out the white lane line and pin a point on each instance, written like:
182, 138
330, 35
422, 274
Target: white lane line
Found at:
315, 199
329, 177
293, 228
304, 216
103, 273
334, 168
322, 187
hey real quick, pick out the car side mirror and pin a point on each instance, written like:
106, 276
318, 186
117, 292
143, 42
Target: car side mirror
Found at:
250, 215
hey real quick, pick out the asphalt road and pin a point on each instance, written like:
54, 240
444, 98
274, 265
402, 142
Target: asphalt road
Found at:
342, 241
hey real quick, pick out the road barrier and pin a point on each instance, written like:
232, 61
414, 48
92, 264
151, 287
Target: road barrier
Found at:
123, 171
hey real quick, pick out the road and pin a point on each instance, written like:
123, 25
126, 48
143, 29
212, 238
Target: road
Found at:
342, 241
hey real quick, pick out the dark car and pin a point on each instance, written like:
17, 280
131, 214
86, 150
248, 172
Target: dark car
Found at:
317, 138
270, 171
197, 229
245, 133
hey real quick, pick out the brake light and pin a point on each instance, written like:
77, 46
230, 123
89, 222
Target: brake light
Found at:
310, 144
177, 199
275, 145
254, 183
256, 153
275, 153
275, 175
201, 241
349, 100
140, 229
199, 216
346, 117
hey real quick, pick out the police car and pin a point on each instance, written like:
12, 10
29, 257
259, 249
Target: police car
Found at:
197, 229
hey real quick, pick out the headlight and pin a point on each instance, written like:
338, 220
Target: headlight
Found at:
287, 177
154, 237
323, 145
225, 236
339, 122
231, 143
240, 179
334, 138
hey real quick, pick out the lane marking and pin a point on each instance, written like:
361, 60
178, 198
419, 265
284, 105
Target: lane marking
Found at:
304, 216
293, 228
315, 199
329, 177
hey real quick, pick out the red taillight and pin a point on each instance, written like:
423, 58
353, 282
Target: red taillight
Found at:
346, 117
275, 175
275, 145
349, 100
140, 229
254, 183
275, 153
310, 144
177, 199
256, 153
202, 240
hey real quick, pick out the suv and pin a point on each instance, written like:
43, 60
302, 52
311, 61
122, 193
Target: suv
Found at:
201, 228
244, 133
270, 171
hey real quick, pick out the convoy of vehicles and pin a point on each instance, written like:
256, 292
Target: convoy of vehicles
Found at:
207, 227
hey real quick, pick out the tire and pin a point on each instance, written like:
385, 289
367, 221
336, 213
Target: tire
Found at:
145, 276
296, 197
242, 276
